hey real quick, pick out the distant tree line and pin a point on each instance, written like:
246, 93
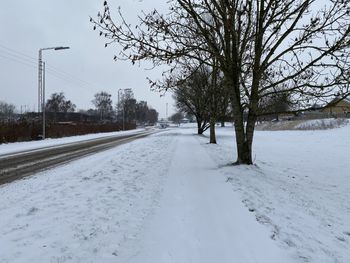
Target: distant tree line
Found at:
7, 110
59, 108
133, 111
127, 109
62, 119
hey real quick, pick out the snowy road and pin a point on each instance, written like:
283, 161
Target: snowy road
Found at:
20, 164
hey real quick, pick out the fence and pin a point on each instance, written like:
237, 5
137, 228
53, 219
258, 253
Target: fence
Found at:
27, 131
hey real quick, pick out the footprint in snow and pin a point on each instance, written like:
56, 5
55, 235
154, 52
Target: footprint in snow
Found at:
32, 211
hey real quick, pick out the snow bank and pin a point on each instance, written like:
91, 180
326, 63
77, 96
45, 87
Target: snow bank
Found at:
319, 124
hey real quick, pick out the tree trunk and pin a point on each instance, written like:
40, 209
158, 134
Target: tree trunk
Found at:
212, 131
243, 144
244, 154
200, 129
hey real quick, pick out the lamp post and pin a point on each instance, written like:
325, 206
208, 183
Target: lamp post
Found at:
41, 84
43, 106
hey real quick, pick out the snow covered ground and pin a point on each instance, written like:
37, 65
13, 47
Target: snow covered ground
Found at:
299, 188
84, 211
172, 197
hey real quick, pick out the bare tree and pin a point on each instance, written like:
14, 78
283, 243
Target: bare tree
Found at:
103, 104
7, 110
192, 96
262, 47
177, 117
141, 112
130, 110
152, 116
145, 114
58, 103
126, 106
218, 98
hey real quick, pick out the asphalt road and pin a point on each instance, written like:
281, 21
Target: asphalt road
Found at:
17, 165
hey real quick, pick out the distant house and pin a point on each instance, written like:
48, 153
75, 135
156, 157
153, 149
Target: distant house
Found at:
338, 107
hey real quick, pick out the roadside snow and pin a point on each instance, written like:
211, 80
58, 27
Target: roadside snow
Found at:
299, 188
84, 211
7, 148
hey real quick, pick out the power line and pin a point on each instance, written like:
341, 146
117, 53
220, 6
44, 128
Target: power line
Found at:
27, 60
17, 52
70, 75
19, 56
23, 62
49, 71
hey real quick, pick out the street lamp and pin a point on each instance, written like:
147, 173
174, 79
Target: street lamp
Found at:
41, 84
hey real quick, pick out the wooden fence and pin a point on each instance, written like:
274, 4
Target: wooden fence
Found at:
27, 131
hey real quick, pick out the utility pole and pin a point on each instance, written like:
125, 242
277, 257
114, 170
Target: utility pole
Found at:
123, 117
43, 106
40, 81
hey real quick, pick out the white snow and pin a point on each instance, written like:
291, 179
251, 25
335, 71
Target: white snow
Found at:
299, 188
200, 219
84, 211
172, 197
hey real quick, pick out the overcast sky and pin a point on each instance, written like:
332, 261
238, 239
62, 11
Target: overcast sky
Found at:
80, 72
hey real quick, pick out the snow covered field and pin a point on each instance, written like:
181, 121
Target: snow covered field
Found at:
299, 188
172, 197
